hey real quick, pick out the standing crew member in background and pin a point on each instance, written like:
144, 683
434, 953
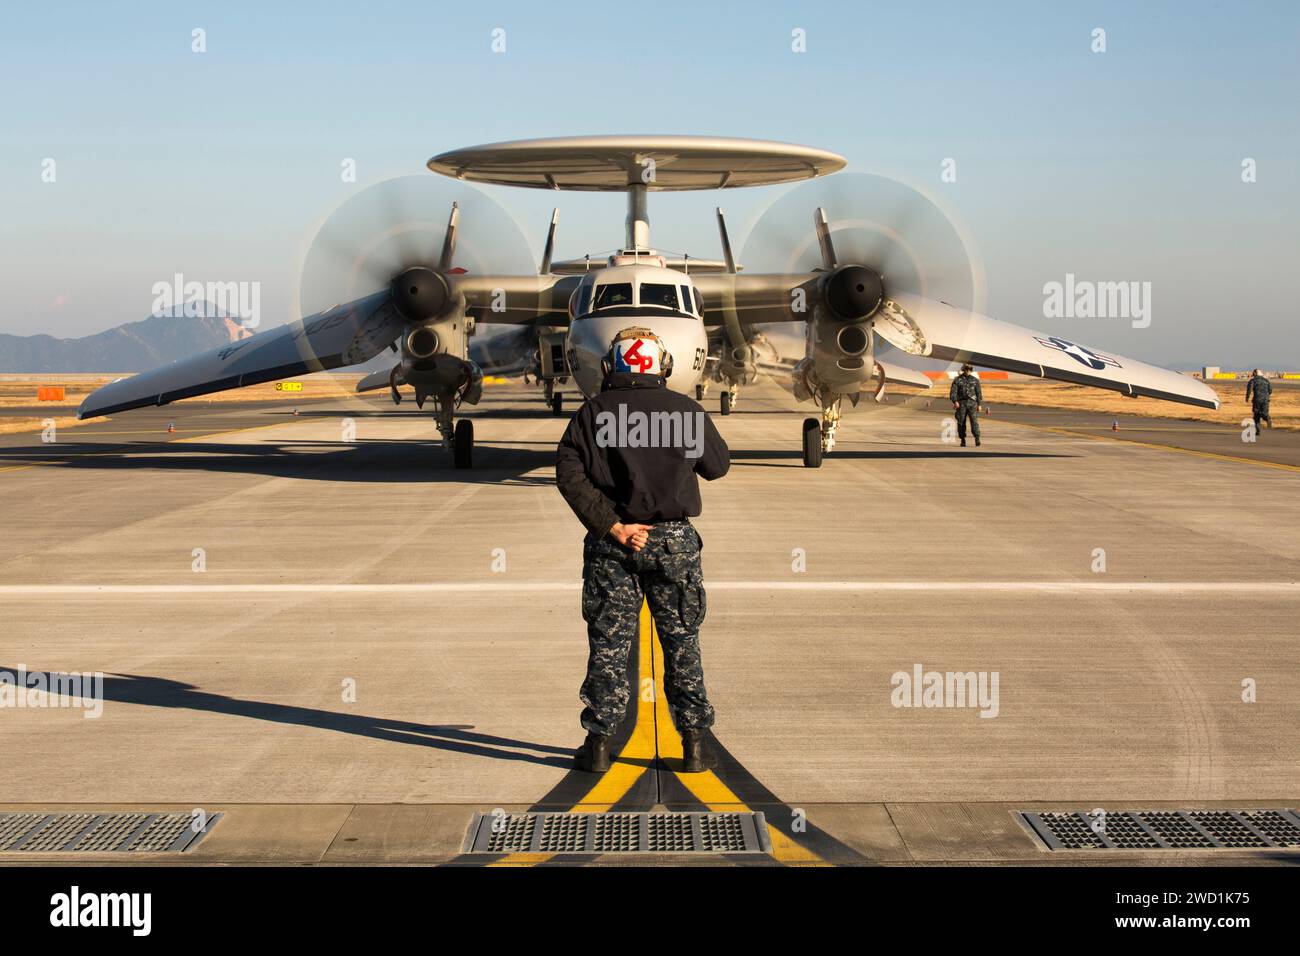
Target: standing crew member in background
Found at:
627, 466
1258, 393
967, 397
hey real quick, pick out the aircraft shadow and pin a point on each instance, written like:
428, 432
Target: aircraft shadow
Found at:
409, 410
764, 457
375, 461
457, 738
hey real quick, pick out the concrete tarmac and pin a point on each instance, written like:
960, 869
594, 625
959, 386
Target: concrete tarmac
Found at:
317, 625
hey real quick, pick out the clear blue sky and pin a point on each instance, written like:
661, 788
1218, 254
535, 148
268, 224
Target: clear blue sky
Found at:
1115, 166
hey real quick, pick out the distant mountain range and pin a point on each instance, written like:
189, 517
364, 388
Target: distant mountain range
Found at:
133, 347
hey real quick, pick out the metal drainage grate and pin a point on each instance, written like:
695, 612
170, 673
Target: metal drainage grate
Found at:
126, 832
1168, 829
618, 833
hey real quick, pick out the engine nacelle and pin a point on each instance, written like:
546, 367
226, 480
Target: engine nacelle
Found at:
838, 358
420, 294
435, 357
735, 367
423, 342
853, 293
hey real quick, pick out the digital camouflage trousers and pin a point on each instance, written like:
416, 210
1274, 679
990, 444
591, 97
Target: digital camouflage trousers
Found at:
665, 573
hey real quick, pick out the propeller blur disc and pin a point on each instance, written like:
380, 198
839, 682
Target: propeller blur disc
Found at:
875, 221
399, 224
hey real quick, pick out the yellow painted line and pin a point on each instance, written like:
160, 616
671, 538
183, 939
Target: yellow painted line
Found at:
653, 736
708, 787
639, 751
622, 774
1144, 428
1142, 444
521, 859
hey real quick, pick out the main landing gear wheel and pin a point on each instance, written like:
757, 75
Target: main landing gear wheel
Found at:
812, 443
463, 445
557, 406
726, 403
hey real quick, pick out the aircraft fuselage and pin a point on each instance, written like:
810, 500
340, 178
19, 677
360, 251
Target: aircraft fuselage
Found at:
650, 296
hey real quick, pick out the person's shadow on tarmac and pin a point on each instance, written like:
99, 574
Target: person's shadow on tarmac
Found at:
457, 738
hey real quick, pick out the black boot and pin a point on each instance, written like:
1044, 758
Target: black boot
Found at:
695, 757
593, 755
963, 443
977, 441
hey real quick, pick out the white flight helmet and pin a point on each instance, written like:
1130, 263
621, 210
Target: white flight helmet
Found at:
640, 351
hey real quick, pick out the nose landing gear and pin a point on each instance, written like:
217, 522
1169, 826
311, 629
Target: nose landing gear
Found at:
812, 443
463, 444
554, 399
458, 436
819, 436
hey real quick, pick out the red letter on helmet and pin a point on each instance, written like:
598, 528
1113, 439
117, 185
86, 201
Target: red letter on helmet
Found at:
635, 355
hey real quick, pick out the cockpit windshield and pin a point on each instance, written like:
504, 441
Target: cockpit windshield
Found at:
661, 295
613, 294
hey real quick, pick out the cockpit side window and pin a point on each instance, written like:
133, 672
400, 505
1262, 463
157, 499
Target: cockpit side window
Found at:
659, 294
612, 294
686, 297
584, 297
699, 302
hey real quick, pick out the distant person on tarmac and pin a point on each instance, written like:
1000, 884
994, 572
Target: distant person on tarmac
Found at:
967, 397
635, 491
1258, 393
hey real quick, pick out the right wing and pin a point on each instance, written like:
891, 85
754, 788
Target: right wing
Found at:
344, 335
382, 378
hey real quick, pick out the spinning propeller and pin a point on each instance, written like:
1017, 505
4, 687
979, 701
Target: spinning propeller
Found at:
407, 235
901, 240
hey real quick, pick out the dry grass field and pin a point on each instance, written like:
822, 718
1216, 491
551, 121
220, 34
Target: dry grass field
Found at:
1285, 406
20, 390
31, 423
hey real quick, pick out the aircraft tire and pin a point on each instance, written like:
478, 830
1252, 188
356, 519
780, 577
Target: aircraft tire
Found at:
812, 443
463, 445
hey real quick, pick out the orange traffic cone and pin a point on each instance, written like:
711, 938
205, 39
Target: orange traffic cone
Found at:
171, 428
1114, 426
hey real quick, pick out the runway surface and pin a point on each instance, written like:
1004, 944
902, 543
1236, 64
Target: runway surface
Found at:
369, 646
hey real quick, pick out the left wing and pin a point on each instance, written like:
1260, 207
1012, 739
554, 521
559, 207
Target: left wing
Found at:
925, 327
901, 375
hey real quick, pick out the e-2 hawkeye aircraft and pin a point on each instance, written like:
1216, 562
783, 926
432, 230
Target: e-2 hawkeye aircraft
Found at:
889, 267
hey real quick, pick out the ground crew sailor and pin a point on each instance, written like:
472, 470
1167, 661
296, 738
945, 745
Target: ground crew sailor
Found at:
966, 397
1258, 393
627, 466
